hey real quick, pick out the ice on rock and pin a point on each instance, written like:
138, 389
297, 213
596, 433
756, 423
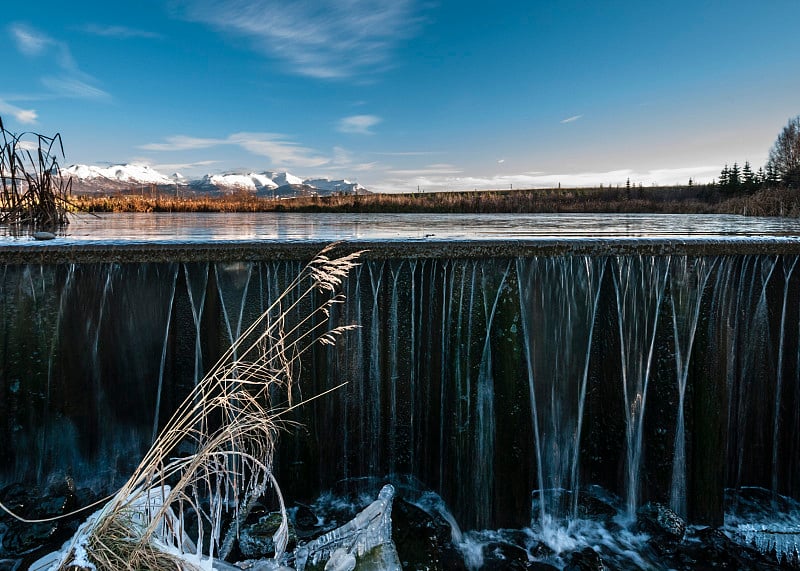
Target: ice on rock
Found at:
370, 530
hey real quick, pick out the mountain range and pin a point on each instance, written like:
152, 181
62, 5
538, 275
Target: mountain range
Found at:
134, 177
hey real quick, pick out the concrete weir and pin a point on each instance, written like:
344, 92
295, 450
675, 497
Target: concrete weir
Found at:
506, 375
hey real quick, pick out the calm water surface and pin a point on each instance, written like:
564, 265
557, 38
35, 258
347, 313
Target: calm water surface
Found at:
297, 227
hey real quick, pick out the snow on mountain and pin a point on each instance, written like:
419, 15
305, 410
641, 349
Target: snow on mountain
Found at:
334, 185
87, 178
251, 181
284, 178
131, 173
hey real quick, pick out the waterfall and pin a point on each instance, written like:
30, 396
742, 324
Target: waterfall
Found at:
660, 377
558, 303
788, 265
687, 284
639, 283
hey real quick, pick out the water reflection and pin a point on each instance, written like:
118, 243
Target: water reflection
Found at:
291, 227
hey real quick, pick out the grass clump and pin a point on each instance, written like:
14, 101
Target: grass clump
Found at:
32, 190
214, 456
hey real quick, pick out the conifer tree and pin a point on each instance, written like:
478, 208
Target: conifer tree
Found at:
724, 177
735, 178
748, 178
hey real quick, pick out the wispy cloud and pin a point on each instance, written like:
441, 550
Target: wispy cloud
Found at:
322, 39
66, 86
119, 32
431, 180
436, 169
408, 153
183, 143
29, 41
25, 116
571, 119
173, 167
278, 148
358, 124
68, 80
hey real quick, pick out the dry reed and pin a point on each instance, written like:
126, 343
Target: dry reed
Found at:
699, 199
230, 422
33, 191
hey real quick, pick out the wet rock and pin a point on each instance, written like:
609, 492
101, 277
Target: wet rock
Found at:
22, 538
255, 540
10, 564
664, 525
710, 548
587, 506
423, 541
43, 235
306, 523
502, 556
586, 560
541, 551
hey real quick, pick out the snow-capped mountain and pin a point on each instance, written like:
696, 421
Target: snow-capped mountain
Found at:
250, 182
132, 173
88, 179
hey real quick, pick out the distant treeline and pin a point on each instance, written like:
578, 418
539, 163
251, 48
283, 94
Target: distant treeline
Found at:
689, 199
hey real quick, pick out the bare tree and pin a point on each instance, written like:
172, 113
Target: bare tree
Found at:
784, 157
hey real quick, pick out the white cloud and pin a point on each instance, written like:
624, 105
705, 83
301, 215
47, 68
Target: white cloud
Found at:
278, 148
65, 86
172, 167
571, 119
409, 180
183, 143
29, 41
409, 153
25, 116
358, 124
26, 146
440, 169
119, 32
322, 39
69, 80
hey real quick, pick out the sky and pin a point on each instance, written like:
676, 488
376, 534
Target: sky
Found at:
402, 95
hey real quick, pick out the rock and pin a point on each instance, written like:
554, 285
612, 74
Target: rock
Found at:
21, 538
420, 537
586, 560
306, 523
664, 525
588, 506
499, 556
43, 235
710, 548
255, 540
24, 538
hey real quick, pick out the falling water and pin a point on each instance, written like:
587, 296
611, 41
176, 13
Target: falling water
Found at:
688, 278
558, 302
197, 287
639, 283
163, 363
788, 265
479, 377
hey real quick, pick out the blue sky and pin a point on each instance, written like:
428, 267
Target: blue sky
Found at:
398, 94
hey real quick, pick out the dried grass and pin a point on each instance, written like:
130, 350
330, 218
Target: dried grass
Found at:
33, 191
230, 422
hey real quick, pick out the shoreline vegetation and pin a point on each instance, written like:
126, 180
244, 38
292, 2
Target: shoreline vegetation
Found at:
698, 199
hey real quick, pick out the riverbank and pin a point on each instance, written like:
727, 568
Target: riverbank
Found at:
660, 200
